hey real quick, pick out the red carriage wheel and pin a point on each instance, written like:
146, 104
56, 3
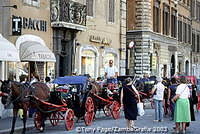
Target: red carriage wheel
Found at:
54, 118
69, 119
38, 120
89, 105
115, 109
88, 118
106, 110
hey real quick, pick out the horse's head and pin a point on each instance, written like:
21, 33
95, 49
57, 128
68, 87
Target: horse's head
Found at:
5, 88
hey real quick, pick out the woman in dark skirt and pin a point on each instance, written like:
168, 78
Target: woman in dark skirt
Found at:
129, 96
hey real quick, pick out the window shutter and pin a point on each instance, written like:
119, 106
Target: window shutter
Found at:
89, 4
111, 10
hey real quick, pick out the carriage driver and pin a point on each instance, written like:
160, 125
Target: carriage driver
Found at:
111, 73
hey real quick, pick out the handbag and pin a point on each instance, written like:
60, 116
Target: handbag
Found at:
140, 105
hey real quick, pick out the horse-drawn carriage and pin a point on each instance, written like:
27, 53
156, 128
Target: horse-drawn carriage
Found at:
106, 99
55, 105
75, 95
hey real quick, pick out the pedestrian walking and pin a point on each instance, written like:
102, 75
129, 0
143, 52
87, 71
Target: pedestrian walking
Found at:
129, 97
158, 91
172, 93
182, 108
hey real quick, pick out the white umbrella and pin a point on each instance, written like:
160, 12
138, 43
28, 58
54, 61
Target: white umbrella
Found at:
8, 51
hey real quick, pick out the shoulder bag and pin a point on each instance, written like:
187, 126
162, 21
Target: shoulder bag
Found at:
140, 105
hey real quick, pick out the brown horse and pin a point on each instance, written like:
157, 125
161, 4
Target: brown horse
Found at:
18, 96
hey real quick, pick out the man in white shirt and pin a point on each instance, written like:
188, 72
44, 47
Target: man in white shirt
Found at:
111, 72
158, 91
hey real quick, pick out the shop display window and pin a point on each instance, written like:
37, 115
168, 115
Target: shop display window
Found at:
88, 61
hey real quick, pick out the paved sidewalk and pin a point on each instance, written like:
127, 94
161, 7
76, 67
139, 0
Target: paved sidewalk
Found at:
5, 124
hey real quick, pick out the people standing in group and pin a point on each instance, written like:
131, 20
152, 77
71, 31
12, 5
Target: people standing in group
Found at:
193, 100
172, 93
182, 107
129, 97
158, 91
111, 72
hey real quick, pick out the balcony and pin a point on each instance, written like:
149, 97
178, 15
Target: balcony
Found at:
68, 14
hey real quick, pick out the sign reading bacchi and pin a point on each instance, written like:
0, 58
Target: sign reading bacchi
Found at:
27, 23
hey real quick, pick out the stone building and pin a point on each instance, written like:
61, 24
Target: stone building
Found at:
195, 14
88, 33
161, 32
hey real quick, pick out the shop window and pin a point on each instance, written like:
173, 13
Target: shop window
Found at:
50, 66
32, 2
193, 9
88, 63
184, 32
193, 42
189, 33
107, 57
12, 71
198, 45
90, 7
156, 16
180, 31
173, 23
166, 19
111, 11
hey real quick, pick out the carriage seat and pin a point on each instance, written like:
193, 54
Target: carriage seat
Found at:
56, 98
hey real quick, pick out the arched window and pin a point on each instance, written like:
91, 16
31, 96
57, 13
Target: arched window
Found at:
109, 56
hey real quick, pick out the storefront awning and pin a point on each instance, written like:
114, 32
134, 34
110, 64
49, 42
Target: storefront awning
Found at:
8, 51
35, 51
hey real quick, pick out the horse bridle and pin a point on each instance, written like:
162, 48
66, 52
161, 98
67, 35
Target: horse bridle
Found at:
10, 94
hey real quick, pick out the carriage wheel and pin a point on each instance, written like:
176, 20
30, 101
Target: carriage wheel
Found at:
38, 120
115, 110
54, 118
69, 119
89, 105
88, 118
106, 110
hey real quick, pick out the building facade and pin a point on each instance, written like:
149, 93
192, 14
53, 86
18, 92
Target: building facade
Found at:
28, 27
195, 14
161, 32
89, 33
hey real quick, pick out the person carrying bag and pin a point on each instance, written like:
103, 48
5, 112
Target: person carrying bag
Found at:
129, 99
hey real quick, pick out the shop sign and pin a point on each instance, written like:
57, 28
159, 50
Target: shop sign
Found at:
154, 62
27, 23
16, 25
100, 40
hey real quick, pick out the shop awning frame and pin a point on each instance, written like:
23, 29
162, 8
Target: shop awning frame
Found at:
34, 51
33, 48
8, 51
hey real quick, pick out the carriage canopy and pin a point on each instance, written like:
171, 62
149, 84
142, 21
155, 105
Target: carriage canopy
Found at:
71, 80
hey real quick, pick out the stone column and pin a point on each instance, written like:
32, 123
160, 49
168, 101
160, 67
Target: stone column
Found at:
143, 44
123, 19
57, 36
